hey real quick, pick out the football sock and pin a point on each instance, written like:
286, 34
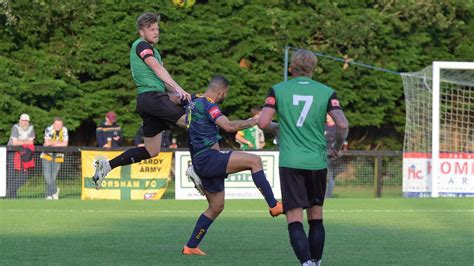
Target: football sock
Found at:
200, 231
299, 241
262, 184
130, 156
316, 238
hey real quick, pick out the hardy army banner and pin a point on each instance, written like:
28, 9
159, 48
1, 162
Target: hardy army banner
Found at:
146, 180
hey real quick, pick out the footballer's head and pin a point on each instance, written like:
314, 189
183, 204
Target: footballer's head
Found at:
303, 63
148, 27
219, 86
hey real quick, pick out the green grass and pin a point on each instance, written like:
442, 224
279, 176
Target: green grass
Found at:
358, 232
35, 188
366, 191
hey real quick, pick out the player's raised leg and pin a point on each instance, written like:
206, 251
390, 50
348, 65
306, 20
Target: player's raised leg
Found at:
130, 156
216, 206
240, 161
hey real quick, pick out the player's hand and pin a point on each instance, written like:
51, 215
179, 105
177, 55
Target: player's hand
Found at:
250, 144
183, 95
333, 153
174, 97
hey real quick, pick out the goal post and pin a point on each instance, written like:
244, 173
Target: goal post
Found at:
438, 157
437, 67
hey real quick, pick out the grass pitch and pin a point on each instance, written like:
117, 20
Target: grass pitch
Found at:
358, 232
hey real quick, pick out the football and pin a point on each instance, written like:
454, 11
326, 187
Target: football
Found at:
184, 3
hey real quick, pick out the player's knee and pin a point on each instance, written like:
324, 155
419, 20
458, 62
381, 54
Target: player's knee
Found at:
220, 208
153, 152
256, 162
315, 212
217, 208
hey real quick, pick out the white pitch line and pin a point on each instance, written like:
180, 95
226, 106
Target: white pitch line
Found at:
239, 211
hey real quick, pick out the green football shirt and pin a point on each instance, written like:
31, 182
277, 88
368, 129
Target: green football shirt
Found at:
302, 105
144, 77
254, 135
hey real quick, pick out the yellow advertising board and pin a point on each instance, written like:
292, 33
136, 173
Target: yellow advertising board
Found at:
146, 180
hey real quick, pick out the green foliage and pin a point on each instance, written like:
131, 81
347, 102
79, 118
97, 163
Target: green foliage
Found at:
71, 58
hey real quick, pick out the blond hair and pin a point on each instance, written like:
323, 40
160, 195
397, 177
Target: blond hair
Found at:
303, 63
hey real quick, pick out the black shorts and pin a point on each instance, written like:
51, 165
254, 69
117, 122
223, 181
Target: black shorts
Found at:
302, 188
158, 112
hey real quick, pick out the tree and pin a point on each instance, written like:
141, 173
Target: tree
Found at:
71, 58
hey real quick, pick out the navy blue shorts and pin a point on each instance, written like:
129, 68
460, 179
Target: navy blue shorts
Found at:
211, 166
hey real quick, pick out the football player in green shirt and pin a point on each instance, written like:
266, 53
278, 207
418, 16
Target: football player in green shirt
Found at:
302, 105
158, 109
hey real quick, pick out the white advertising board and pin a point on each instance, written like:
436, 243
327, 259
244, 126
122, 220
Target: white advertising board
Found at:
237, 186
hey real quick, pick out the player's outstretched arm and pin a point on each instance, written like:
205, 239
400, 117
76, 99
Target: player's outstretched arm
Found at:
235, 125
342, 127
165, 76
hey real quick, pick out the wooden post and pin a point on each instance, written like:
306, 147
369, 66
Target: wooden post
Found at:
378, 176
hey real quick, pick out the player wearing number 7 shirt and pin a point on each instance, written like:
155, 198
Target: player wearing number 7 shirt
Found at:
302, 105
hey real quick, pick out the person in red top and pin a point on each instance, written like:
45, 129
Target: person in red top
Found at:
23, 135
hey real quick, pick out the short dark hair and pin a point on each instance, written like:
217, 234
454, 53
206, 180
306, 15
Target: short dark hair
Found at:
218, 82
146, 19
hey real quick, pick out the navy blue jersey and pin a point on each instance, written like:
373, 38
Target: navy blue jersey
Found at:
201, 116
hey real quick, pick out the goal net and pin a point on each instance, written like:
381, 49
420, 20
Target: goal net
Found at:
438, 154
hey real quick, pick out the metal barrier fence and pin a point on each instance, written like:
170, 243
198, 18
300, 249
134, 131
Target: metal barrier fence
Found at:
358, 174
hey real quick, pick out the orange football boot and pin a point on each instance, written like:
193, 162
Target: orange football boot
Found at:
192, 251
277, 210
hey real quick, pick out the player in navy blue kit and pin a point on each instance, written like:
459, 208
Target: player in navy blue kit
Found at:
211, 166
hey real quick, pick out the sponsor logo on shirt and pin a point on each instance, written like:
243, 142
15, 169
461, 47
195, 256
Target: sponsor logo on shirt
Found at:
270, 100
334, 102
146, 52
214, 112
